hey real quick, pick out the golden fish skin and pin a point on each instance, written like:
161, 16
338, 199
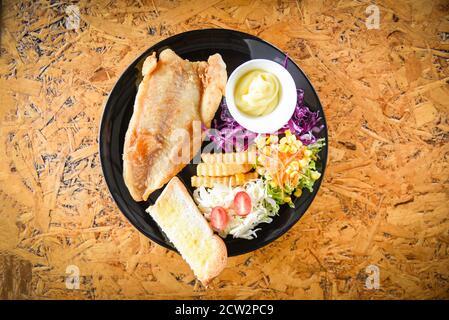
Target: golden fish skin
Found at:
174, 97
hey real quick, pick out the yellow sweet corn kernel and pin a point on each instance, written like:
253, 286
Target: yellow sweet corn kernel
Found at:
303, 163
284, 148
268, 140
260, 142
307, 153
273, 139
283, 140
291, 139
294, 165
315, 175
266, 151
298, 193
293, 149
288, 133
293, 174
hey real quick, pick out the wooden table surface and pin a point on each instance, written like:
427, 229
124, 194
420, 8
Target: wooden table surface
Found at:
383, 202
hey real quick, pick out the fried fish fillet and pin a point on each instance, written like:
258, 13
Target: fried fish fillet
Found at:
174, 95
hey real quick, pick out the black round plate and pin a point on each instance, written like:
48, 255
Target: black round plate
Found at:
235, 48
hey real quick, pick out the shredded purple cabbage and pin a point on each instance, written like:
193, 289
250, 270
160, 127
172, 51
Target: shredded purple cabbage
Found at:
304, 123
230, 135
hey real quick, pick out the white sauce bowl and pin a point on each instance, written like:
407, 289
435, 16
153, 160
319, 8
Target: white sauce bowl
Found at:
275, 120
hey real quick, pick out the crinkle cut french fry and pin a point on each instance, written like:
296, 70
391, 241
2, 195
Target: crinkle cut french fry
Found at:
230, 157
221, 169
242, 178
235, 180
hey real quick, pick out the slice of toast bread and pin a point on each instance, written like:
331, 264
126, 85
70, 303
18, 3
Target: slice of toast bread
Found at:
180, 219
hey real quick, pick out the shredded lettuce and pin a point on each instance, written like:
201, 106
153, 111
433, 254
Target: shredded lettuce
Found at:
317, 146
264, 207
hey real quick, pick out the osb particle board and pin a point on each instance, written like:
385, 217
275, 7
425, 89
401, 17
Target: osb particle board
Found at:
384, 200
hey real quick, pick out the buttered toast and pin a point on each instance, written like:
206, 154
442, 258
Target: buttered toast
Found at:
180, 219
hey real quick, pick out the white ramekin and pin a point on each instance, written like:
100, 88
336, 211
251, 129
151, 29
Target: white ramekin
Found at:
279, 117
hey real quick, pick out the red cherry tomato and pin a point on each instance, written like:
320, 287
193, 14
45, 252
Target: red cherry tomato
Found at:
219, 218
242, 203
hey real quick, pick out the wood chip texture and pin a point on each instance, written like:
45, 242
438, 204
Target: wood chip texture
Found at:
384, 200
